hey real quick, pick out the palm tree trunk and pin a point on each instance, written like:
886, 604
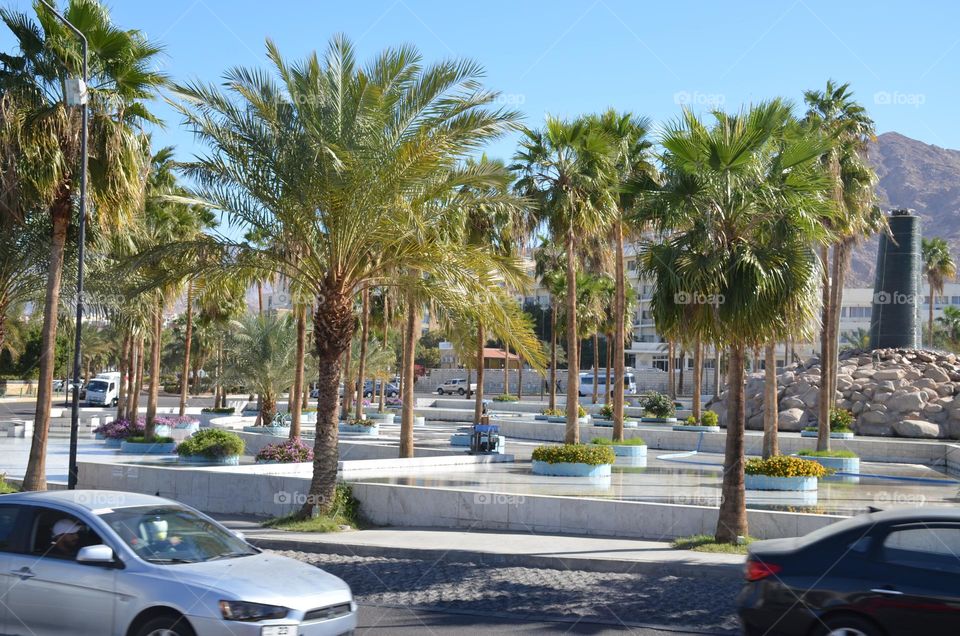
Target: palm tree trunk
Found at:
35, 477
771, 446
596, 367
930, 319
552, 404
519, 377
124, 367
683, 364
188, 336
717, 360
607, 389
506, 368
840, 261
478, 398
572, 434
823, 404
295, 403
219, 371
138, 381
362, 362
260, 298
268, 408
150, 427
697, 377
381, 407
132, 379
671, 370
732, 520
619, 336
409, 344
348, 389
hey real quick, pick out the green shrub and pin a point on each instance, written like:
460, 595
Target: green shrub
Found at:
359, 422
591, 454
807, 452
785, 466
553, 412
581, 412
658, 404
709, 418
505, 397
213, 443
226, 410
606, 411
840, 421
344, 512
692, 421
6, 487
603, 441
140, 439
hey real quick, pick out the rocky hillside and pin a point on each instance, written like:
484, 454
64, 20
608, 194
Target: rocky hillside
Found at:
913, 175
901, 392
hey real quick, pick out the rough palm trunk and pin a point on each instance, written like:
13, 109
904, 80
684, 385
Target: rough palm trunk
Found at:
150, 426
619, 336
506, 368
185, 377
409, 344
552, 403
683, 365
771, 446
671, 370
572, 433
268, 408
348, 388
840, 261
607, 389
35, 477
697, 378
123, 367
333, 324
362, 362
478, 398
823, 404
930, 317
295, 403
136, 374
732, 520
519, 377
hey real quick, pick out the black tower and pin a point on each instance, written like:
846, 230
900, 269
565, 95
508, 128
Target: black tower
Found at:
895, 319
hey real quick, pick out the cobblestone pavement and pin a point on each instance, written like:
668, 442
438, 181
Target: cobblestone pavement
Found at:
680, 603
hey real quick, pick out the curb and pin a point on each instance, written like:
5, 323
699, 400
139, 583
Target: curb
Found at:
613, 566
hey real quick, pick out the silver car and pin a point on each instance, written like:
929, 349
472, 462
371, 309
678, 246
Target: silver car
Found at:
102, 562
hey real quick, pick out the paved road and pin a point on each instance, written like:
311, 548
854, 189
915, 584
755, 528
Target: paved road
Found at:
591, 600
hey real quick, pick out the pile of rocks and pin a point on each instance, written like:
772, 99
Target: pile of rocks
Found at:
903, 392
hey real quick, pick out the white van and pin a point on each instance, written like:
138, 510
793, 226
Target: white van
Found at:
586, 384
104, 389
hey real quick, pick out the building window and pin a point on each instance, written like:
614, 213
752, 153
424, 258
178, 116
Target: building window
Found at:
660, 362
632, 265
843, 312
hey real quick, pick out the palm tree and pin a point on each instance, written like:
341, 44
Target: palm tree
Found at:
566, 169
835, 114
951, 322
348, 176
46, 159
938, 267
261, 355
24, 248
742, 201
858, 340
549, 261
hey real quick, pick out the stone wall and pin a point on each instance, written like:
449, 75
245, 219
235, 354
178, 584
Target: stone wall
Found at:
891, 392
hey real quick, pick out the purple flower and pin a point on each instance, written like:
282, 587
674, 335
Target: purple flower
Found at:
121, 429
291, 450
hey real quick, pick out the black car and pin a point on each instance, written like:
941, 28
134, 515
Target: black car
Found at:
392, 390
877, 574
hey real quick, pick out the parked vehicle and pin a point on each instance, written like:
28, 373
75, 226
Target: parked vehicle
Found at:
586, 384
104, 390
369, 390
124, 563
457, 385
877, 574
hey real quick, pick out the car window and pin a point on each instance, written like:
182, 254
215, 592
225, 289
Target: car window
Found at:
59, 535
928, 547
9, 515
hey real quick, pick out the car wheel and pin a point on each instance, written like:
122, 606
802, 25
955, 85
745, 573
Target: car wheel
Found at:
166, 626
848, 626
439, 391
461, 391
113, 402
392, 394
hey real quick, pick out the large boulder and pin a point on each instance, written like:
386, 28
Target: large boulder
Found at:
936, 374
916, 428
889, 374
906, 401
793, 419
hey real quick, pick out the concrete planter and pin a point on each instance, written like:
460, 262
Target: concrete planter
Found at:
382, 418
766, 482
419, 420
832, 435
628, 450
359, 429
697, 428
541, 417
229, 460
658, 420
133, 448
162, 430
601, 421
570, 470
556, 419
188, 430
111, 443
839, 464
630, 423
282, 431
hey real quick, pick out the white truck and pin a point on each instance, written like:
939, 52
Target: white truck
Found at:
104, 389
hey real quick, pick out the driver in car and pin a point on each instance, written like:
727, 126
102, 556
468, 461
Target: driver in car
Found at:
157, 540
66, 538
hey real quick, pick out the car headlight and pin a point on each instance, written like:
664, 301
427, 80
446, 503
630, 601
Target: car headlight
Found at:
244, 611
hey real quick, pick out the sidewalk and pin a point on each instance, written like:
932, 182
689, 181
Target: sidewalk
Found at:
562, 552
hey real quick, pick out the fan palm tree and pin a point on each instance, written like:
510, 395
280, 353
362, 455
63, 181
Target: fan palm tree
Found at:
46, 159
938, 267
549, 268
24, 248
951, 323
743, 199
858, 340
566, 169
348, 175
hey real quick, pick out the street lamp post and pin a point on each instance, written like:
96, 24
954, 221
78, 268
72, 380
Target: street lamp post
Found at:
77, 96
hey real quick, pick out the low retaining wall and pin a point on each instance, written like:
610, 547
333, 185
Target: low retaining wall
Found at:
349, 449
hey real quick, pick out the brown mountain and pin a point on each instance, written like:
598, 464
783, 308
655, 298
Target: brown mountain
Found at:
913, 175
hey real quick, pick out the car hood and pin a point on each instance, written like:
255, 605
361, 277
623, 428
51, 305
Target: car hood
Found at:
267, 578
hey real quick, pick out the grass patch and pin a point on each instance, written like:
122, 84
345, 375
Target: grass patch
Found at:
707, 543
345, 512
157, 439
6, 488
807, 452
633, 441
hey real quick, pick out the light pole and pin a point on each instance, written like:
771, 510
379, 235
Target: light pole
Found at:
76, 95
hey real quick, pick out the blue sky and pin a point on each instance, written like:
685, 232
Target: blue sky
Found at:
568, 57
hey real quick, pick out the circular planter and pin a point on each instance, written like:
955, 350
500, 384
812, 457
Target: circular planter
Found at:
229, 460
162, 430
839, 464
628, 450
268, 430
658, 420
382, 418
832, 435
630, 423
570, 470
599, 421
359, 429
419, 420
697, 429
112, 443
766, 482
556, 419
135, 448
541, 417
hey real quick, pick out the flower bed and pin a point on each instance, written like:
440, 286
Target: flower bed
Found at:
286, 452
632, 447
842, 461
211, 445
360, 427
708, 423
115, 431
783, 473
573, 460
139, 445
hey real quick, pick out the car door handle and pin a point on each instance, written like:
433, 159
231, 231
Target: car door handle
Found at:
24, 573
887, 590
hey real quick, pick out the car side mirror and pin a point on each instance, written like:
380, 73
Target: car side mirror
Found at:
96, 555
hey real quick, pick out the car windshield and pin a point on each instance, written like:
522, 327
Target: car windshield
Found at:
97, 385
171, 534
